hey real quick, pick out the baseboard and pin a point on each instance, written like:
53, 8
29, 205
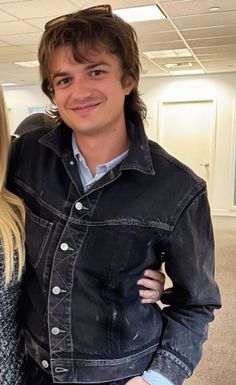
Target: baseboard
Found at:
223, 213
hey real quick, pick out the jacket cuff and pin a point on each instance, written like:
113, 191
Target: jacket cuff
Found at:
170, 367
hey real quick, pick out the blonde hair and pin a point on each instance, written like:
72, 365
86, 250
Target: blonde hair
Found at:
11, 207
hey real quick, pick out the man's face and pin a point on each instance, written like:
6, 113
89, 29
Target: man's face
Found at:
89, 96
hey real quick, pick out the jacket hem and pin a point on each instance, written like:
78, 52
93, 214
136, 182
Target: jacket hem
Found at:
64, 370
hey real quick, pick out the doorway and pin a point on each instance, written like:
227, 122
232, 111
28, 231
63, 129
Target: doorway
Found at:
187, 131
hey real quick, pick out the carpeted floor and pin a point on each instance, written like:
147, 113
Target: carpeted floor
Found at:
218, 365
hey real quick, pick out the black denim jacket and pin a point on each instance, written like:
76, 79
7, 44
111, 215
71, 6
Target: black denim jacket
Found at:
81, 308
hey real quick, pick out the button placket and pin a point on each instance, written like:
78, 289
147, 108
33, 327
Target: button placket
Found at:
59, 320
59, 312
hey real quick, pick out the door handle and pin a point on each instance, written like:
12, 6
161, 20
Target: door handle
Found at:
205, 164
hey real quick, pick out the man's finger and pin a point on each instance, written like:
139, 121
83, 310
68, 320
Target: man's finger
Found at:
151, 284
157, 275
150, 295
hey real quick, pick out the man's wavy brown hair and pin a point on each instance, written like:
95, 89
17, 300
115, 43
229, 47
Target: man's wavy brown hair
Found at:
85, 31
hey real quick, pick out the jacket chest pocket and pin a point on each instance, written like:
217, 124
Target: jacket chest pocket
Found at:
113, 254
37, 231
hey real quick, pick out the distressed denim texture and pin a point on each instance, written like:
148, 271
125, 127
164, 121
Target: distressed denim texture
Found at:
86, 250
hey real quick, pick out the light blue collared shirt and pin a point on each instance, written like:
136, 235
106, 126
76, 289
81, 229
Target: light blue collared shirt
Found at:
85, 174
155, 378
152, 377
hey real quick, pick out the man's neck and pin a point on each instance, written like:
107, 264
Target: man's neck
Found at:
101, 149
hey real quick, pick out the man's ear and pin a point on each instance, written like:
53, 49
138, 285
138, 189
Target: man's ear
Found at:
129, 85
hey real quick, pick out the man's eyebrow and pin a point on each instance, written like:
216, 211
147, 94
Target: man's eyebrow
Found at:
88, 66
96, 64
59, 74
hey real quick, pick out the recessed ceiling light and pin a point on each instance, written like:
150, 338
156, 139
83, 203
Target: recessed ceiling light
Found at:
214, 9
167, 53
188, 72
8, 84
133, 14
179, 65
28, 64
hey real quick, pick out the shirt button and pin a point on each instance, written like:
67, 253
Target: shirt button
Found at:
78, 206
71, 162
55, 331
45, 364
64, 246
56, 290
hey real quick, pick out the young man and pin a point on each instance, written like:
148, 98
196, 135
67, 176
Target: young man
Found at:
103, 204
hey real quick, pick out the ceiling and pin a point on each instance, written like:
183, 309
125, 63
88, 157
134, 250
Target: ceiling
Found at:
208, 34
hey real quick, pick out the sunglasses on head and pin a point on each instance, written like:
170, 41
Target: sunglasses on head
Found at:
104, 9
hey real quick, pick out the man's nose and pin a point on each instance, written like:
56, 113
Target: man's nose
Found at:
81, 88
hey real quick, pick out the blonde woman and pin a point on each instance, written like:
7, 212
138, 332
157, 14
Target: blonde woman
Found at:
11, 267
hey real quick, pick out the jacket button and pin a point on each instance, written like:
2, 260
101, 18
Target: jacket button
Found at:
78, 206
56, 290
64, 246
45, 364
55, 331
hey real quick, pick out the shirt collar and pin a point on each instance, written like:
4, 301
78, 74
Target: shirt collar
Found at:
104, 166
139, 156
85, 174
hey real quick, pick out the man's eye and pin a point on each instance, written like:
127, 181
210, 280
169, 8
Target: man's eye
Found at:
96, 73
63, 81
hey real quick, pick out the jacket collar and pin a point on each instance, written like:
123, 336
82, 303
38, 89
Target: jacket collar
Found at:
139, 157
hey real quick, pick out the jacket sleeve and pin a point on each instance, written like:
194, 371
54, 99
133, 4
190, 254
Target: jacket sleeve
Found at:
189, 262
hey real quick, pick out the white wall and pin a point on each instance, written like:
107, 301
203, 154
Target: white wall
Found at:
20, 99
221, 87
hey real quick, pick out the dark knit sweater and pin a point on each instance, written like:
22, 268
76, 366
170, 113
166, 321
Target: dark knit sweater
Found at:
11, 343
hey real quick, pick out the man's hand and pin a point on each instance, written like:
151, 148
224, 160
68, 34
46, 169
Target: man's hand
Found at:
153, 281
136, 381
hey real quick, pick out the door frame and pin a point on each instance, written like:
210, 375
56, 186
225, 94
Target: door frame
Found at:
163, 102
233, 159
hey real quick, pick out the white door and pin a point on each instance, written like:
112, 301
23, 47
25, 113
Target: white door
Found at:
186, 130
